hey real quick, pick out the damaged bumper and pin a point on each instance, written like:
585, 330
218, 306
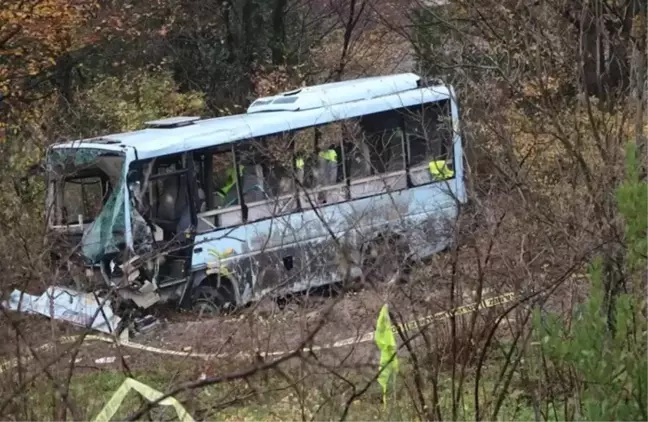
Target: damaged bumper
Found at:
85, 310
81, 309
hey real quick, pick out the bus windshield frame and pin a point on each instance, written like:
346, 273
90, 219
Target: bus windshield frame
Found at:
98, 175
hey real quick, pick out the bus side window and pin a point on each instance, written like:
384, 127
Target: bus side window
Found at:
429, 135
266, 168
328, 170
223, 180
250, 165
356, 151
274, 154
385, 141
303, 142
168, 195
358, 154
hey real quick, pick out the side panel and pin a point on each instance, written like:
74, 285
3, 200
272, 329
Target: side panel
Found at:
301, 250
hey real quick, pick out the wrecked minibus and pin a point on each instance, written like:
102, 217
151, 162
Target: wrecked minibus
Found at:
291, 195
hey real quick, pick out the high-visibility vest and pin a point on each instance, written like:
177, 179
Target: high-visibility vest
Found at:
329, 155
299, 163
231, 181
439, 170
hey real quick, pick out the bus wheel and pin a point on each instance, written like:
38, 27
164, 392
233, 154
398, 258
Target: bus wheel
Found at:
210, 300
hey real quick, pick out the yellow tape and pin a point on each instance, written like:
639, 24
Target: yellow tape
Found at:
147, 392
12, 363
462, 310
417, 324
411, 325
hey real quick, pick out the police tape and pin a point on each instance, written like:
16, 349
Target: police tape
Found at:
148, 393
367, 337
12, 363
421, 323
462, 310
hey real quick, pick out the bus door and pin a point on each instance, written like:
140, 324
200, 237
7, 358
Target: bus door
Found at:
168, 205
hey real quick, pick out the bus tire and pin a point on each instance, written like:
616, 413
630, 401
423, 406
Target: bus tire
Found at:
214, 298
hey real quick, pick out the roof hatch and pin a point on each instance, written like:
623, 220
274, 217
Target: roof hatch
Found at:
171, 122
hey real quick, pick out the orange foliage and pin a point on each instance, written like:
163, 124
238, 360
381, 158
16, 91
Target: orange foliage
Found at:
34, 33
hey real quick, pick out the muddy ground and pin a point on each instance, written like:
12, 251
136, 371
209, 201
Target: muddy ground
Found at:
268, 328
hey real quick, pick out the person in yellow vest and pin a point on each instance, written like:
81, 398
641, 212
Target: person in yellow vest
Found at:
226, 192
329, 166
299, 170
329, 155
440, 170
299, 163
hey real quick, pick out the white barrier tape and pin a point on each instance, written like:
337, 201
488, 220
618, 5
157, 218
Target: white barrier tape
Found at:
151, 394
462, 310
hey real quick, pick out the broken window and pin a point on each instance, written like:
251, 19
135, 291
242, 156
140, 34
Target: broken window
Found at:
306, 160
429, 135
224, 179
358, 158
80, 183
331, 139
106, 235
251, 175
164, 202
217, 184
82, 199
87, 187
276, 155
256, 162
318, 154
267, 170
384, 141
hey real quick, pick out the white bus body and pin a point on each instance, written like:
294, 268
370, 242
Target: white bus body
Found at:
277, 234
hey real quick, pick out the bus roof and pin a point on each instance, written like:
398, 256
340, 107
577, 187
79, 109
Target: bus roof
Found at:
195, 134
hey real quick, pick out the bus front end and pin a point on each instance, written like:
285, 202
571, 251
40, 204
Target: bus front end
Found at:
87, 203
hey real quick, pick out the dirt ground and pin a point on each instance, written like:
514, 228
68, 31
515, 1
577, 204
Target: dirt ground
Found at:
262, 328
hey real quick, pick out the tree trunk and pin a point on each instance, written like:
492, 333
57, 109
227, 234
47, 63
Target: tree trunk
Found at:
278, 32
63, 80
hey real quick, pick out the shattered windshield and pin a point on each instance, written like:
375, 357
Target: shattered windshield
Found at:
82, 199
86, 193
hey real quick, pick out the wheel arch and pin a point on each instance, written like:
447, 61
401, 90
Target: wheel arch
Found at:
201, 278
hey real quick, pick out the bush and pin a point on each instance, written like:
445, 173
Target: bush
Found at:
606, 362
